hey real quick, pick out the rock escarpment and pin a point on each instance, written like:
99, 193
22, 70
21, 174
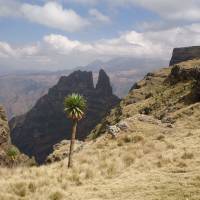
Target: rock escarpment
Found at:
170, 94
4, 130
46, 124
185, 54
9, 155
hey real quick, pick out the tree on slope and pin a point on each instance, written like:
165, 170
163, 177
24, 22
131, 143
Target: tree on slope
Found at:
74, 107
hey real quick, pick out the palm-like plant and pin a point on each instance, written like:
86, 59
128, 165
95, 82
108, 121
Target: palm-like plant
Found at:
74, 107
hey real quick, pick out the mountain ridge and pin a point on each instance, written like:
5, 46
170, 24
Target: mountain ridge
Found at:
46, 124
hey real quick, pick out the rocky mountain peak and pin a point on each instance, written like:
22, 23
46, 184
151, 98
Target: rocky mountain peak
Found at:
78, 79
185, 54
46, 124
103, 83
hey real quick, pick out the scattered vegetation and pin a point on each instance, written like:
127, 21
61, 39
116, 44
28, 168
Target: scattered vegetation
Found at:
12, 153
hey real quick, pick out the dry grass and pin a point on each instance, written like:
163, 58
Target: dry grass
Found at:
149, 162
142, 168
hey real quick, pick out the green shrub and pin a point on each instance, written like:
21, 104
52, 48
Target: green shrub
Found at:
12, 152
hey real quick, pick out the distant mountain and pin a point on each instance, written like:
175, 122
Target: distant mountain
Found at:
45, 124
20, 90
124, 71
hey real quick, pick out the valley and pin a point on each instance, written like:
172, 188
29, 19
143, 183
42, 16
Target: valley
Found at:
21, 90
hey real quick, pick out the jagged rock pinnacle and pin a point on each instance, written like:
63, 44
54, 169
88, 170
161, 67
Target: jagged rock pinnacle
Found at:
103, 83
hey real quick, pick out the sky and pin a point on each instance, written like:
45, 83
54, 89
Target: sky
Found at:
63, 34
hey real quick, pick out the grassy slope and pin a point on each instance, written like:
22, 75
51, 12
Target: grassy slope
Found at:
149, 161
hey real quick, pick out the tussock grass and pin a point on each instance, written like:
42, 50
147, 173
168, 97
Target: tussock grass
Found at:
105, 169
149, 161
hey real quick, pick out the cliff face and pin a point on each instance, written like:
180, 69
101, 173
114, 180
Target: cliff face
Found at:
170, 94
46, 124
10, 156
4, 129
4, 138
184, 54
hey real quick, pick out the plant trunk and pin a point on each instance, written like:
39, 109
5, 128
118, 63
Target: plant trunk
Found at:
73, 138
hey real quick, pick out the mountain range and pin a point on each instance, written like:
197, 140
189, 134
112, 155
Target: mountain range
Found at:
145, 148
46, 124
21, 89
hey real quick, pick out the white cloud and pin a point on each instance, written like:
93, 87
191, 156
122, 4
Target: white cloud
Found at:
51, 14
59, 52
6, 50
63, 45
99, 16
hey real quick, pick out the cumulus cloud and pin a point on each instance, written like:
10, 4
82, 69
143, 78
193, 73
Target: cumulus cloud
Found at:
59, 52
6, 50
63, 45
51, 14
99, 16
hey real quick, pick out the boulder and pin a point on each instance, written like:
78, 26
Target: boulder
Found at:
61, 150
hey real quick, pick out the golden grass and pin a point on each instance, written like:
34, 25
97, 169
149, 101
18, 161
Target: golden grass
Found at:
149, 161
142, 168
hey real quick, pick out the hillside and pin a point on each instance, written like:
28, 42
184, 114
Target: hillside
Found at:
46, 124
155, 154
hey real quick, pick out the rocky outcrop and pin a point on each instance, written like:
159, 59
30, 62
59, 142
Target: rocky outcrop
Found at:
103, 84
180, 73
185, 54
46, 124
4, 130
9, 155
61, 151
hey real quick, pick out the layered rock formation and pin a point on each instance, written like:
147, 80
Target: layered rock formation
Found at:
185, 54
46, 124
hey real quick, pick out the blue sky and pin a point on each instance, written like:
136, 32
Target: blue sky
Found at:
123, 18
66, 33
